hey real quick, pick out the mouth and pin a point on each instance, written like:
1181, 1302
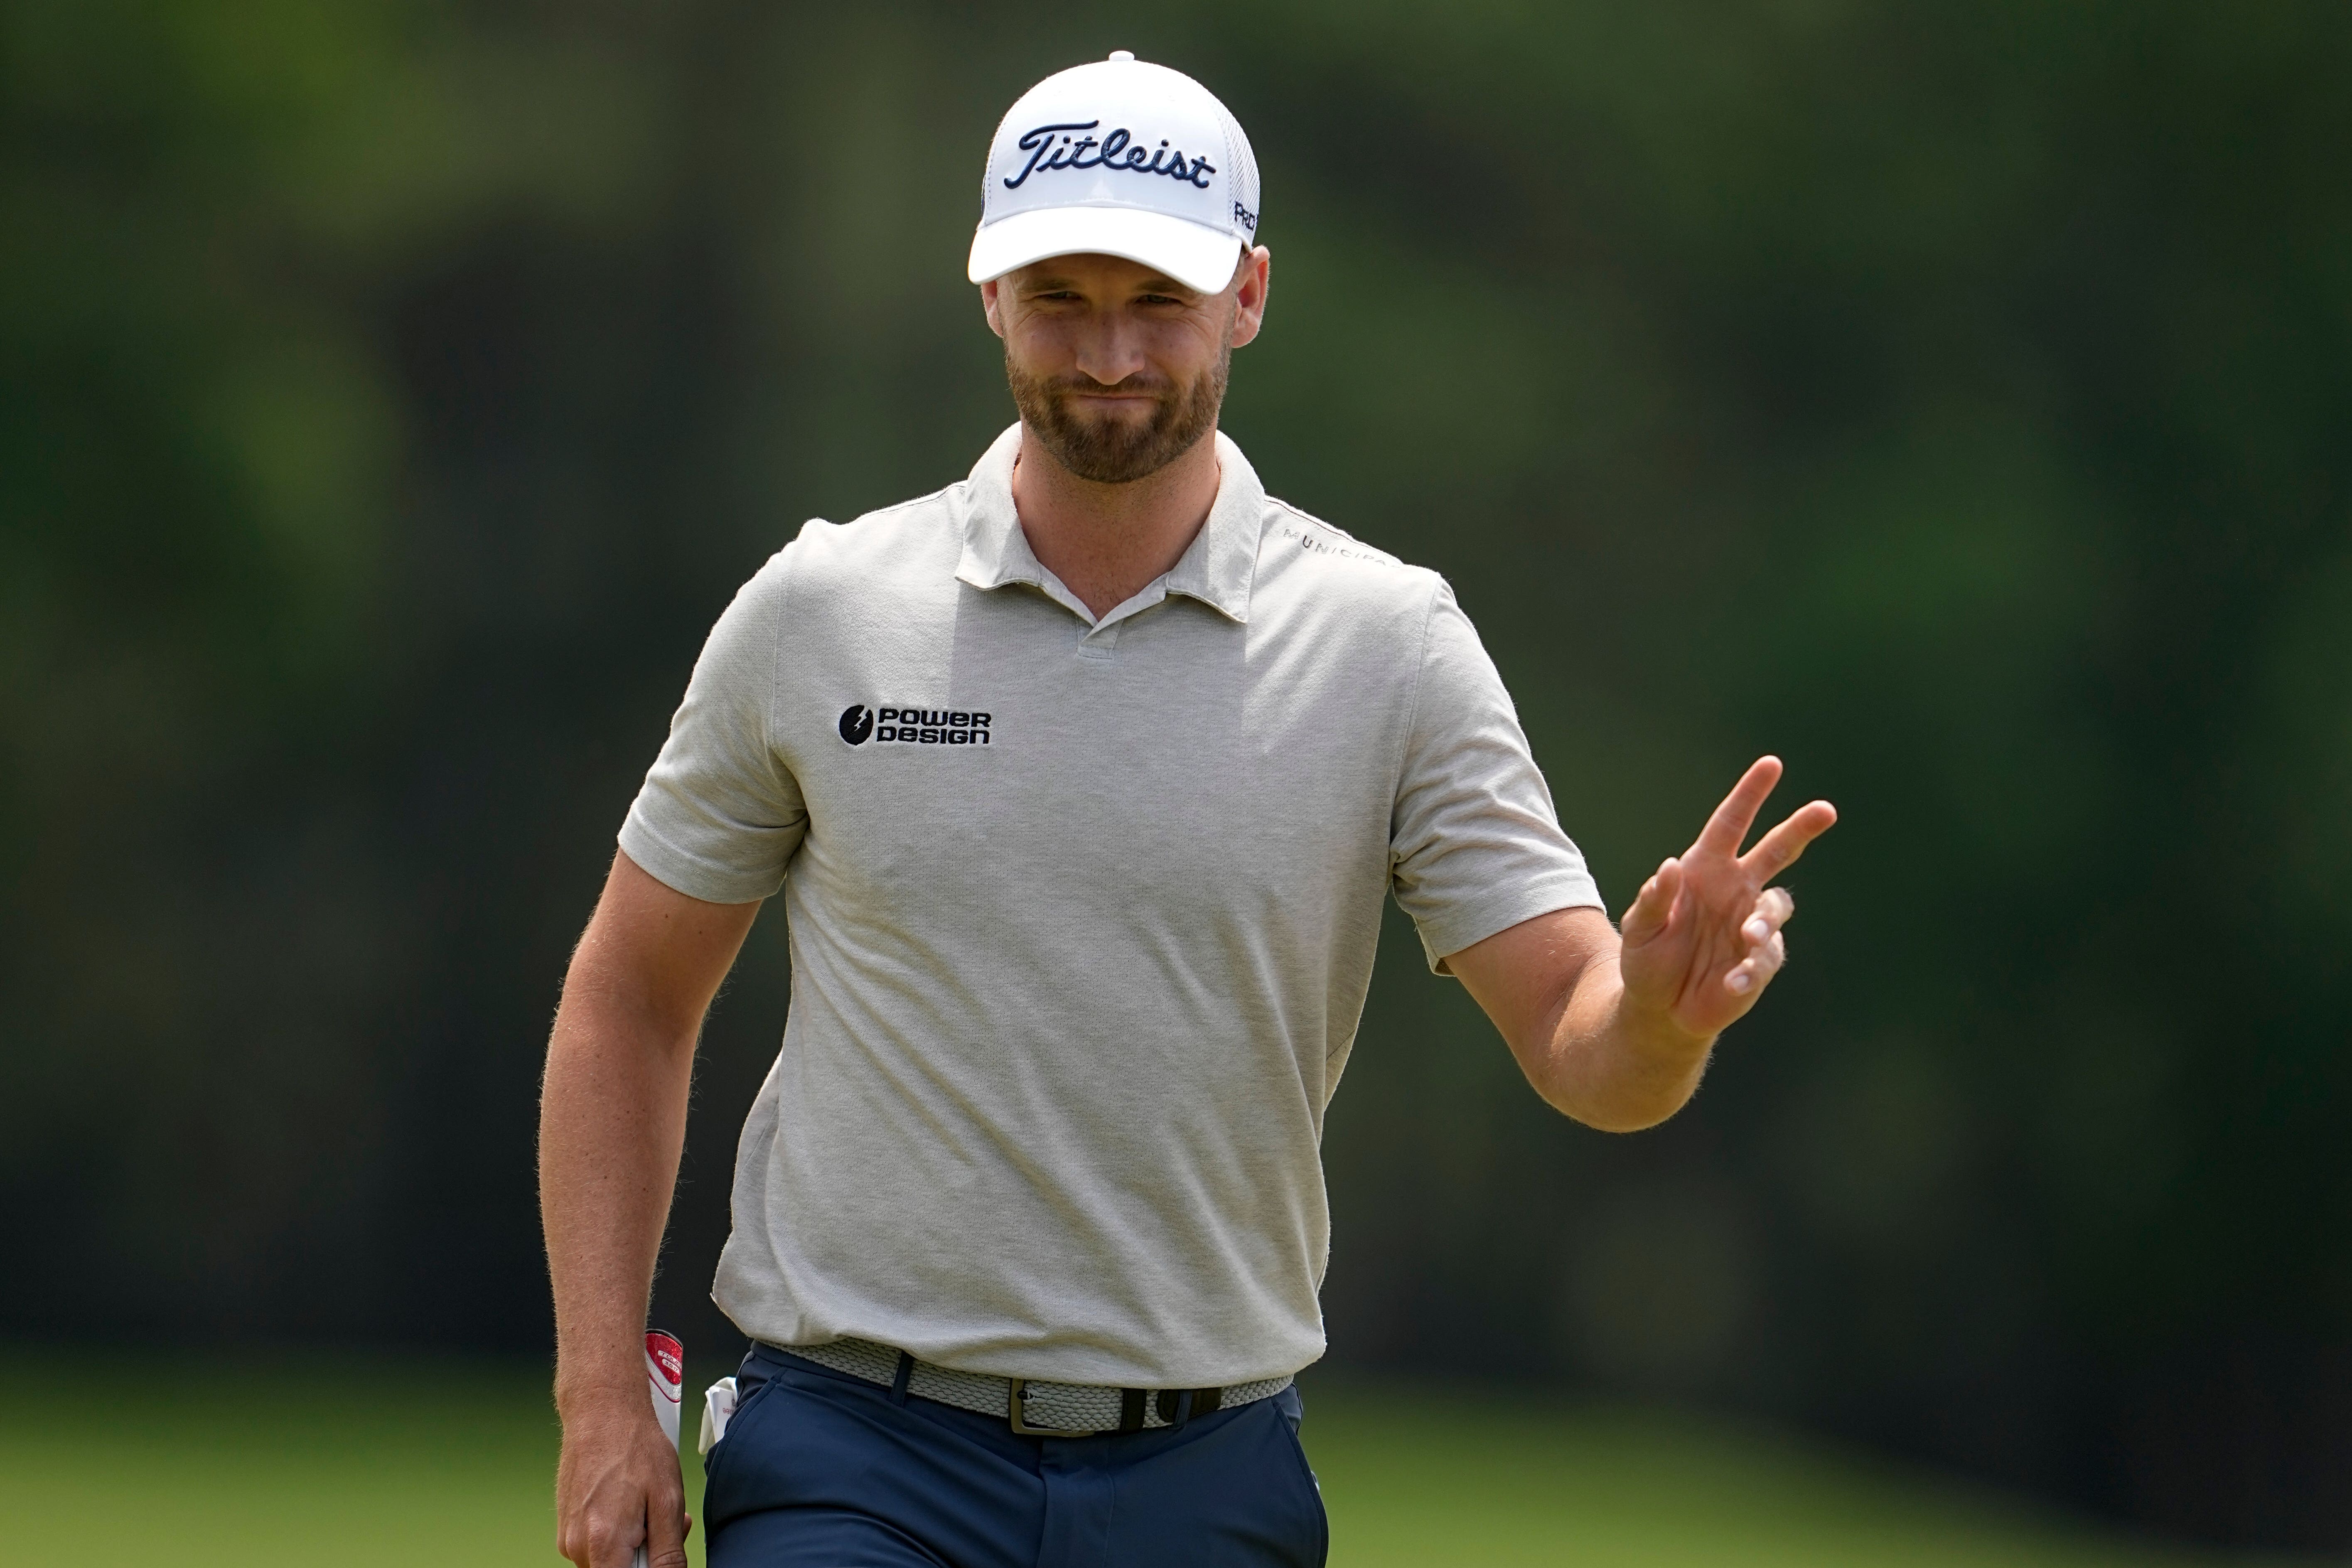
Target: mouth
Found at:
1106, 395
1113, 405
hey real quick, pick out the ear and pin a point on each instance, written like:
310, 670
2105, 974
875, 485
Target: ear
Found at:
988, 304
1252, 280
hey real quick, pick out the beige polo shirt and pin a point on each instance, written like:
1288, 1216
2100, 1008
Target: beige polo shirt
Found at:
1082, 917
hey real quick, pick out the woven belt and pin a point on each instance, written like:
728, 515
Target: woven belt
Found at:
1034, 1407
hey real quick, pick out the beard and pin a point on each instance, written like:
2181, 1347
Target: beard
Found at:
1113, 451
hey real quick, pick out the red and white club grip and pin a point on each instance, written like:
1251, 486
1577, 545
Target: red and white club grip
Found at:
666, 1377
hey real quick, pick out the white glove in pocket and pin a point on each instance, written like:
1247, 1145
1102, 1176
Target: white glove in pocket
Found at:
718, 1409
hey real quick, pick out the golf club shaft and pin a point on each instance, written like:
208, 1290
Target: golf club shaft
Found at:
665, 1381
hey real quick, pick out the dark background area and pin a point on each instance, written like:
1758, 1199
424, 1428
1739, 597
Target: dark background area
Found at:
1951, 397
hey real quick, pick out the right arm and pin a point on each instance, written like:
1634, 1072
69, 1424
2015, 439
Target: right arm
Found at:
1616, 1032
612, 1127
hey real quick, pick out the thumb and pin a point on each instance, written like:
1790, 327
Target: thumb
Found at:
1654, 908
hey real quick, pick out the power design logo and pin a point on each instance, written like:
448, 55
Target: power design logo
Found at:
914, 726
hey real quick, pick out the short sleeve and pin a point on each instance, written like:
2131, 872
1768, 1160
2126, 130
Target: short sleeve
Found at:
719, 814
1475, 847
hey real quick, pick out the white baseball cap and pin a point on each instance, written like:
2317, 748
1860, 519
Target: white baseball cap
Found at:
1118, 158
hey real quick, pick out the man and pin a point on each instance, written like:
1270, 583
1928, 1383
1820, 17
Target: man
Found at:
1084, 779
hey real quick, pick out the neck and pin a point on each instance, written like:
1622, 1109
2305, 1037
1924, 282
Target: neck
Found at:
1106, 542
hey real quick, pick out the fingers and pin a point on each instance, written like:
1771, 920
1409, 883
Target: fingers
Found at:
601, 1542
1729, 824
1768, 944
1654, 906
629, 1520
666, 1522
614, 1536
1752, 973
1778, 850
666, 1536
1772, 911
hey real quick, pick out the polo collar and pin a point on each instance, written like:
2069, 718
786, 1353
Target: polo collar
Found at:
1217, 568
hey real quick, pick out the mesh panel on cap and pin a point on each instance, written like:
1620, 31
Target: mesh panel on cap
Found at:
1244, 164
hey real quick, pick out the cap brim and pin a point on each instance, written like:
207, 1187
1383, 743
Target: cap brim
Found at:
1200, 258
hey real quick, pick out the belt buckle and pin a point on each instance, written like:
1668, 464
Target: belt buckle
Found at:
1016, 1392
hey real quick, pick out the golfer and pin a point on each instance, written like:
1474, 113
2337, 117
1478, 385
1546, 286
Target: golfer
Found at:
1083, 780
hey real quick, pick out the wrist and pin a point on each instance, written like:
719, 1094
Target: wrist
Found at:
1630, 1065
595, 1398
582, 1413
1654, 1026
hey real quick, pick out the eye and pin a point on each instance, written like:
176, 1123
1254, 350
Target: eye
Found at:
1158, 299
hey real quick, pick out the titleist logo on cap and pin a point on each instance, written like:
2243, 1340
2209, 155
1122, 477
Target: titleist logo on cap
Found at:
1117, 149
1118, 158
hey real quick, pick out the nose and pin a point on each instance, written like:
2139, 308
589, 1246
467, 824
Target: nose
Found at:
1109, 350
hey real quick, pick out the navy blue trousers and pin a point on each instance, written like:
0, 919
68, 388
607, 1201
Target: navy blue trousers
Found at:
819, 1469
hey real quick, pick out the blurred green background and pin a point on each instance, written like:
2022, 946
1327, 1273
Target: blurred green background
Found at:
1952, 398
367, 1460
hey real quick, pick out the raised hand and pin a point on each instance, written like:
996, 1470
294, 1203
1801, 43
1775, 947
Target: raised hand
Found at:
1704, 937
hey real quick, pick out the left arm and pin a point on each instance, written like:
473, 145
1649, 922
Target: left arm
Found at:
1615, 1028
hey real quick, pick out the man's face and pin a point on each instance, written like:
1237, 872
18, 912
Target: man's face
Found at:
1116, 368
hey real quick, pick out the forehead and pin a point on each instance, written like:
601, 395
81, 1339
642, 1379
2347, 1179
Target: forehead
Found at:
1095, 274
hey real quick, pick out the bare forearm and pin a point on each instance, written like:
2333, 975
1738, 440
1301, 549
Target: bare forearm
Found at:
1613, 1026
1613, 1064
611, 1125
1554, 988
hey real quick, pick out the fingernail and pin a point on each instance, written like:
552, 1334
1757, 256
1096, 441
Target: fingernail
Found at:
1739, 980
1756, 929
